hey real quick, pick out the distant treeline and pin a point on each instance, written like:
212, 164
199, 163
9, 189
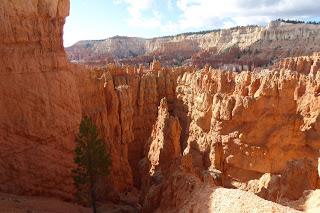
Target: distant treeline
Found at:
192, 33
207, 31
297, 21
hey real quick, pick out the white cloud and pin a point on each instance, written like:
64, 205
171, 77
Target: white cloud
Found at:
170, 4
136, 4
218, 13
136, 9
201, 14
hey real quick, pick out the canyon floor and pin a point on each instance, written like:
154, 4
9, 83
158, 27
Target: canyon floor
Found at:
216, 200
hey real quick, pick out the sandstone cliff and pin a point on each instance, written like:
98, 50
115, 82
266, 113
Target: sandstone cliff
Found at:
249, 124
40, 107
124, 105
251, 45
253, 131
117, 47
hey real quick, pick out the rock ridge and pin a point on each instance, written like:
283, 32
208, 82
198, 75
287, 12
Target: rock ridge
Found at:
250, 46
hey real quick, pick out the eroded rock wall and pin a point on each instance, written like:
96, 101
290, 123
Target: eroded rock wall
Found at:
302, 64
249, 124
123, 101
256, 131
247, 130
39, 102
102, 104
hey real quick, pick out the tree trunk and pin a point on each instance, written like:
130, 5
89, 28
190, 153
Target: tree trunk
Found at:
93, 198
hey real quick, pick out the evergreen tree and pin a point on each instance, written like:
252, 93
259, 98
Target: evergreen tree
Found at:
91, 161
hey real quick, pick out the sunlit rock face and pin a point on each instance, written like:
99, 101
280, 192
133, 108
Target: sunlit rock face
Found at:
249, 124
238, 48
258, 132
302, 64
39, 108
249, 130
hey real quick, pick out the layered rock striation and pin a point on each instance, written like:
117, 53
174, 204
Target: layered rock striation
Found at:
249, 46
39, 102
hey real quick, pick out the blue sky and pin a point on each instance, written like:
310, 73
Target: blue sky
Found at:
99, 19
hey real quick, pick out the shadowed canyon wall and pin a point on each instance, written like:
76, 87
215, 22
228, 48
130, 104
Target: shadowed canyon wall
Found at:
40, 107
123, 101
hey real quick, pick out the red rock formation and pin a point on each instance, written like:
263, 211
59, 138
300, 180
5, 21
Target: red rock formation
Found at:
165, 140
259, 129
124, 105
103, 103
298, 176
39, 102
249, 124
302, 64
155, 65
254, 131
217, 111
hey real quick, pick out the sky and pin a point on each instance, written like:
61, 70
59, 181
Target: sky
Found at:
100, 19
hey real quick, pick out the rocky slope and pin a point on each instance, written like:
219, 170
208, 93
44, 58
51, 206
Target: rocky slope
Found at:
251, 45
117, 47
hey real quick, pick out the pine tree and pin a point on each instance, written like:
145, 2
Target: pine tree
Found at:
91, 161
